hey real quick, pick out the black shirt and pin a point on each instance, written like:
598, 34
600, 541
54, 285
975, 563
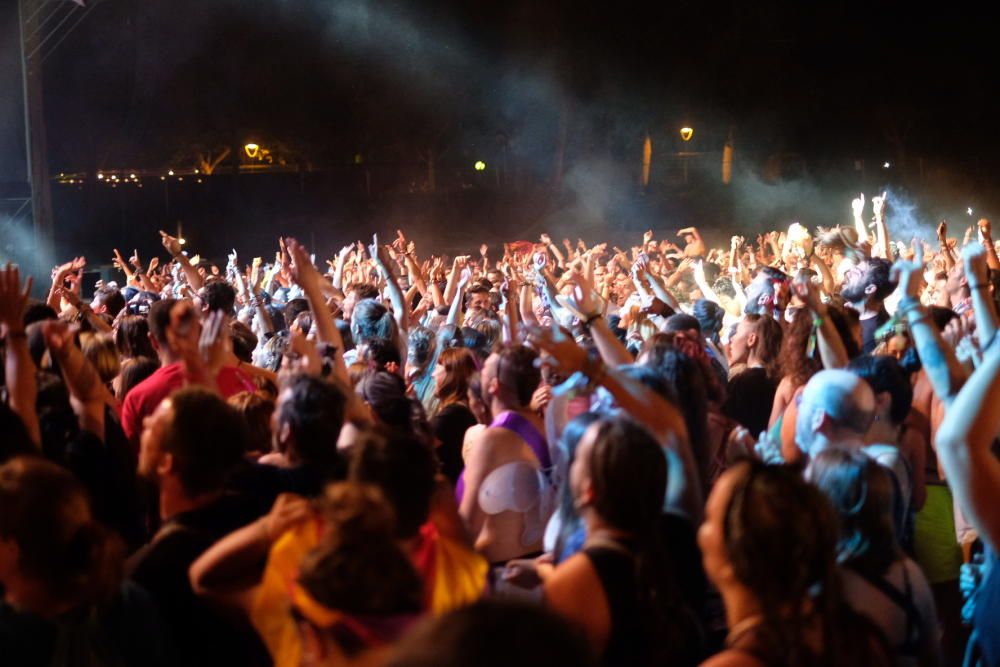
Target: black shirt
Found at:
750, 399
126, 631
869, 327
201, 634
449, 426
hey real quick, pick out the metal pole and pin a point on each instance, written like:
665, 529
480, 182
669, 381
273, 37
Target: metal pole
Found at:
34, 128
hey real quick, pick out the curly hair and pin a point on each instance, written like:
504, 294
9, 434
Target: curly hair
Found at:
795, 364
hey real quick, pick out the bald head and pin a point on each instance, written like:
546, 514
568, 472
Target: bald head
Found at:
837, 408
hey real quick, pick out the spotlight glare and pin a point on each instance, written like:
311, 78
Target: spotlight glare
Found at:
480, 165
886, 165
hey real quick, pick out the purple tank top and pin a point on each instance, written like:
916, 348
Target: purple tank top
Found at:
525, 430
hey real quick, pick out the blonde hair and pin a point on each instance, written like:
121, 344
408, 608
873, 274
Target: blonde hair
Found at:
100, 351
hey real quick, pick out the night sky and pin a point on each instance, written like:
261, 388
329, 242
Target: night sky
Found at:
141, 79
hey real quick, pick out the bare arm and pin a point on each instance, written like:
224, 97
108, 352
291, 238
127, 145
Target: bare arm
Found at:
308, 278
173, 246
986, 238
89, 396
18, 366
964, 445
976, 272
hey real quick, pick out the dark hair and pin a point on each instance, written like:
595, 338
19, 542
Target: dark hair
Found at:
776, 522
218, 295
769, 335
132, 337
15, 441
381, 352
404, 468
843, 319
517, 372
74, 557
292, 309
879, 274
862, 493
159, 320
884, 374
459, 367
371, 319
494, 633
569, 440
314, 411
475, 340
385, 392
710, 316
628, 474
359, 568
134, 371
363, 291
244, 341
683, 322
207, 439
109, 297
256, 409
691, 389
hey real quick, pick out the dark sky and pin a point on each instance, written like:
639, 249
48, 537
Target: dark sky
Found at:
140, 80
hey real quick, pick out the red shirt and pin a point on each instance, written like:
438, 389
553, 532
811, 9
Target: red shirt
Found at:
147, 395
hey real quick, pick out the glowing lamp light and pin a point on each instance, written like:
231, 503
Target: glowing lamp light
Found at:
132, 176
251, 150
170, 173
100, 176
182, 240
480, 165
886, 165
687, 133
969, 210
163, 178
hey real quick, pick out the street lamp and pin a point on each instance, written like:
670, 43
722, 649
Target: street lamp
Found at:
480, 165
251, 150
687, 133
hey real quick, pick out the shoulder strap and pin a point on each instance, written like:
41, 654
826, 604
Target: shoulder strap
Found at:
904, 600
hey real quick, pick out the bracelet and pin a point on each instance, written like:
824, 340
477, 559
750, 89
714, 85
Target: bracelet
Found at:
590, 319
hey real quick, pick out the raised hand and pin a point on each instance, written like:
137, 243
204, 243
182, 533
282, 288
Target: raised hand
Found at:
170, 243
135, 261
942, 231
985, 230
302, 269
153, 263
806, 290
72, 266
483, 249
546, 239
878, 206
119, 261
567, 355
910, 273
13, 298
858, 205
58, 334
976, 266
647, 236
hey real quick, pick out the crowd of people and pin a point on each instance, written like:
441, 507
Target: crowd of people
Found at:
770, 453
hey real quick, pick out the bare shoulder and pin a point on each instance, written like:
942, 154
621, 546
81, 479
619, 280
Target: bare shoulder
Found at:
732, 659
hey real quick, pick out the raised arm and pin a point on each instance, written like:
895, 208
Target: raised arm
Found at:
977, 275
89, 396
881, 229
18, 365
400, 308
173, 246
965, 447
986, 239
831, 346
308, 278
858, 209
943, 369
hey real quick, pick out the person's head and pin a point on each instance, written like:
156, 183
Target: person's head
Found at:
383, 354
358, 570
108, 300
890, 384
475, 341
293, 309
257, 410
483, 635
307, 421
385, 395
862, 493
757, 341
868, 283
709, 316
355, 294
217, 295
159, 321
132, 337
371, 319
99, 349
956, 284
685, 324
771, 536
452, 373
403, 468
54, 556
620, 474
191, 444
134, 371
478, 297
836, 409
421, 345
244, 341
491, 330
510, 377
